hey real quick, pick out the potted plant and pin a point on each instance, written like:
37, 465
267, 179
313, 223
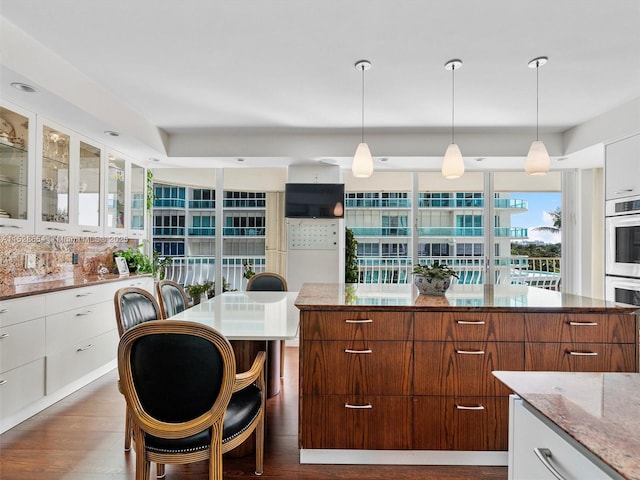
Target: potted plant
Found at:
136, 260
196, 290
433, 279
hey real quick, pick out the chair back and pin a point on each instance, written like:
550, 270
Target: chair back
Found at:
172, 298
177, 377
267, 282
134, 306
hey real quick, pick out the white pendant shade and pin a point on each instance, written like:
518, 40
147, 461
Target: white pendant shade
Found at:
538, 162
362, 165
452, 164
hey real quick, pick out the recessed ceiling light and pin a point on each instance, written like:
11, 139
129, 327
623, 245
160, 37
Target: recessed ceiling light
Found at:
154, 159
111, 133
23, 87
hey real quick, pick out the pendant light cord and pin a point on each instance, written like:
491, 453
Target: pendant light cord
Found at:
537, 100
453, 102
362, 123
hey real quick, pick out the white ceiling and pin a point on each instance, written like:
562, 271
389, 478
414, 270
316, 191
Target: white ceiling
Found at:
258, 78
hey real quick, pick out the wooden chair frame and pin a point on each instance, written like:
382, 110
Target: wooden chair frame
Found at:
214, 418
159, 286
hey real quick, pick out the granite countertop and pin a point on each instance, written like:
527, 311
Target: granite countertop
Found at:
507, 298
601, 411
7, 292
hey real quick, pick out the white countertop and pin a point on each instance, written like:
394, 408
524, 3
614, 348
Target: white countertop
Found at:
248, 315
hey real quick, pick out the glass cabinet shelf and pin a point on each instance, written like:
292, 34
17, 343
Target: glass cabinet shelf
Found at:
14, 165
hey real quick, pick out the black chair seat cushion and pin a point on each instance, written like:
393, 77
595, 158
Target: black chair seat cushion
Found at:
243, 408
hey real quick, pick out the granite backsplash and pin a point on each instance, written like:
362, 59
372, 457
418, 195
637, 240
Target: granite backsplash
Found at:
54, 257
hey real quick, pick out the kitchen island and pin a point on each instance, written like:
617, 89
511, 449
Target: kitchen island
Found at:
390, 376
587, 425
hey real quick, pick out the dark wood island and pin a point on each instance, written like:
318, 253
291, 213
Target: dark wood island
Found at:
390, 376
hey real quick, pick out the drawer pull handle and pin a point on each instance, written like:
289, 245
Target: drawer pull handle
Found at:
3, 381
3, 336
82, 314
470, 352
83, 294
56, 229
358, 407
86, 230
4, 310
585, 324
86, 347
353, 320
582, 354
469, 407
348, 350
544, 455
470, 322
10, 226
623, 191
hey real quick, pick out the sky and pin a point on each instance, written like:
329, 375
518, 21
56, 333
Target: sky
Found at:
539, 204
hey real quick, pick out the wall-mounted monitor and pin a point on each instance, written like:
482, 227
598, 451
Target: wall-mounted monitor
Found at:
314, 200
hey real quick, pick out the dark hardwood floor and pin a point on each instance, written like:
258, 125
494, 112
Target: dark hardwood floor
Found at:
81, 438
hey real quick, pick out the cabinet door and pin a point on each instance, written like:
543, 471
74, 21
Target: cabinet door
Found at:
567, 327
460, 423
363, 367
622, 168
116, 200
17, 171
581, 357
340, 325
359, 422
89, 214
477, 326
53, 181
464, 368
138, 197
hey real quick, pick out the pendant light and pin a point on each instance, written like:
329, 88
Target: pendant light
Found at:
362, 165
538, 162
452, 163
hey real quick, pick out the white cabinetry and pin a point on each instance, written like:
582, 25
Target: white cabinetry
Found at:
17, 173
537, 448
71, 332
622, 168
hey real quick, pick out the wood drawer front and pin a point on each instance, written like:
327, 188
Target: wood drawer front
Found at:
21, 310
70, 364
461, 423
74, 298
480, 326
21, 343
581, 357
372, 422
21, 386
580, 328
339, 325
464, 368
359, 367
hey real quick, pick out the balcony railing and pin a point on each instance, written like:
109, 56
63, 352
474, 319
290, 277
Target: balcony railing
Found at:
208, 204
381, 231
192, 270
202, 231
471, 203
168, 231
169, 203
243, 231
509, 232
377, 203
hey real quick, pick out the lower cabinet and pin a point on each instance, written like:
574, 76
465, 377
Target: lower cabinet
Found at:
538, 451
54, 343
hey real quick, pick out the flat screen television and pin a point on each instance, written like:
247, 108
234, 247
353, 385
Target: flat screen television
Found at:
314, 200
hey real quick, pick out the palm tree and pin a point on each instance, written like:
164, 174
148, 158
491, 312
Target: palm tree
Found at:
556, 215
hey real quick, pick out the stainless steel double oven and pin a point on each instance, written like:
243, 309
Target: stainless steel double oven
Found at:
622, 265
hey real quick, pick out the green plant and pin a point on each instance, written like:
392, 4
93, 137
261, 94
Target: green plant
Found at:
435, 271
198, 288
350, 257
150, 195
136, 260
247, 269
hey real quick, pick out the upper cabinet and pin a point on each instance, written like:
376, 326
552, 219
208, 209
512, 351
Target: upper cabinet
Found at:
53, 177
138, 196
54, 181
116, 214
622, 168
17, 154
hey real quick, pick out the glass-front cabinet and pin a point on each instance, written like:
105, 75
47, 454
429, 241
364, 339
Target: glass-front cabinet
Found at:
16, 170
89, 210
138, 180
116, 196
53, 198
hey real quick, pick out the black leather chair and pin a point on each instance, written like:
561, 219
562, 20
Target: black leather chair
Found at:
187, 404
135, 306
270, 282
172, 298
